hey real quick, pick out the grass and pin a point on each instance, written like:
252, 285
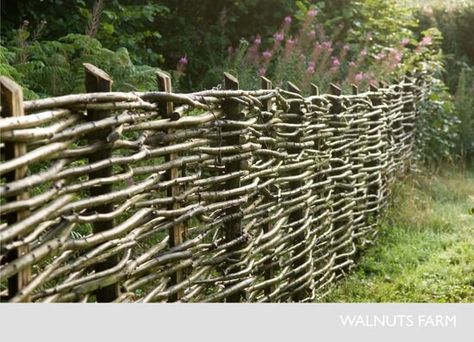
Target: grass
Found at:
425, 248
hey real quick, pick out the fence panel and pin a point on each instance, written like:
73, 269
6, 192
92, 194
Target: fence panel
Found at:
218, 195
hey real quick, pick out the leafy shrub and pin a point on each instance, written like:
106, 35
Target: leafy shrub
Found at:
464, 101
455, 23
454, 19
7, 69
354, 44
438, 124
122, 23
51, 68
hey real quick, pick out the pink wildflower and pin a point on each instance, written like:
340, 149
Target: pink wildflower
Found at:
262, 71
335, 62
426, 41
363, 53
267, 54
279, 37
312, 13
183, 60
287, 19
405, 41
258, 40
398, 56
310, 69
380, 56
359, 76
290, 43
327, 45
352, 64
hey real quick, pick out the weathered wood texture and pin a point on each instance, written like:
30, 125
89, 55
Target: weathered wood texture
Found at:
12, 106
177, 233
97, 81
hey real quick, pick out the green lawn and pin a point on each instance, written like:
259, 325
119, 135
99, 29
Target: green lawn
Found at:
425, 248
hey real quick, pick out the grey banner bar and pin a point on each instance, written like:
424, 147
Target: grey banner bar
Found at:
237, 322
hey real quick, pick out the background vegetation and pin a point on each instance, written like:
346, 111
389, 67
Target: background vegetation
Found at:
425, 237
44, 43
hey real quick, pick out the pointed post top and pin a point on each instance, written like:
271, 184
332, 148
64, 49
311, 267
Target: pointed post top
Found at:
92, 70
355, 89
266, 84
164, 81
230, 82
293, 88
335, 89
314, 89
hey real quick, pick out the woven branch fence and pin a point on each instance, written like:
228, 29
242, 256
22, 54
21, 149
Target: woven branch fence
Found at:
220, 195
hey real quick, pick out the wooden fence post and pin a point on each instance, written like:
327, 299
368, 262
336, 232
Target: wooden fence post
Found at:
409, 119
96, 80
335, 90
267, 104
355, 89
341, 161
374, 179
177, 233
233, 228
12, 105
297, 215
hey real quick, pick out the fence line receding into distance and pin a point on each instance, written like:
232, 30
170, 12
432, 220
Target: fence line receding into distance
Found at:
220, 195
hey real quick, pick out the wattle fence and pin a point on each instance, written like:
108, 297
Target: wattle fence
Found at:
220, 195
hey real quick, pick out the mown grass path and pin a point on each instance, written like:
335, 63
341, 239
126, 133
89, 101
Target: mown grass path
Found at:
425, 248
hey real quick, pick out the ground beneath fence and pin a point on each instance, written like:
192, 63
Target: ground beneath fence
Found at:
425, 250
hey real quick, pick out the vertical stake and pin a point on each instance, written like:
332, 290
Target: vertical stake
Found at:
355, 89
314, 89
269, 272
373, 87
96, 80
177, 233
233, 228
335, 89
12, 105
296, 215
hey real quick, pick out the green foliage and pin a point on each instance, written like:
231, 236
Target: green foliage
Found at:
7, 69
131, 24
203, 31
454, 20
464, 101
331, 42
319, 41
382, 22
122, 23
51, 68
437, 126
